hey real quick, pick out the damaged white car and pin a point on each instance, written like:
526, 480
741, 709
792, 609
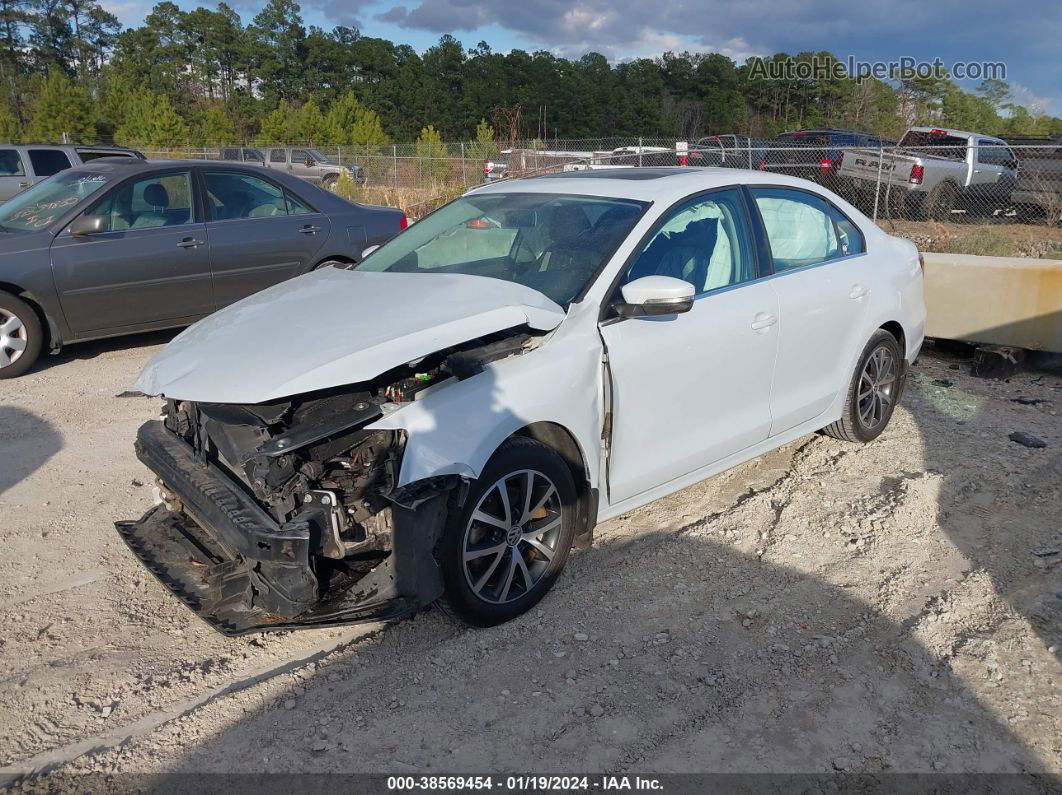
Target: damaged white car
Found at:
448, 418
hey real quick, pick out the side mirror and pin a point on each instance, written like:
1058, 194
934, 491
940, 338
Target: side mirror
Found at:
651, 296
90, 225
367, 251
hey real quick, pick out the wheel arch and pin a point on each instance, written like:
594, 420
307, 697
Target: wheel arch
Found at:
344, 258
52, 336
563, 442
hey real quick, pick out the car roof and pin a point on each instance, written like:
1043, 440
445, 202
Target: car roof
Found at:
642, 184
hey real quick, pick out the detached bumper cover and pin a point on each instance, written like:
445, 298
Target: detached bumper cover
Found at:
234, 566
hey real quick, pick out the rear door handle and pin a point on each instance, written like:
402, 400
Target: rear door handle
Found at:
189, 242
310, 230
763, 321
23, 184
858, 291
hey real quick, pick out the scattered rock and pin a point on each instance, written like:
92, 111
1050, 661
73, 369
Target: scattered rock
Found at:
597, 710
944, 382
581, 636
1027, 439
289, 704
1027, 401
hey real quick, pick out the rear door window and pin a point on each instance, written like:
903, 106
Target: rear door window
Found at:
799, 227
11, 163
48, 161
233, 195
278, 156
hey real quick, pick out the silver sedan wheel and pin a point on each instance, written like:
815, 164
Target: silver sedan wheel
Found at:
13, 338
877, 385
512, 536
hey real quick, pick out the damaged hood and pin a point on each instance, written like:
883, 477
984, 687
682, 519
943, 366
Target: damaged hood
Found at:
334, 327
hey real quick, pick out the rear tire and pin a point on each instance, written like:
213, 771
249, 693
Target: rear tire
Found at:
21, 336
503, 549
941, 201
872, 392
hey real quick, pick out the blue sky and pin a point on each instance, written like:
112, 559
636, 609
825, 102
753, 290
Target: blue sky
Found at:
1027, 37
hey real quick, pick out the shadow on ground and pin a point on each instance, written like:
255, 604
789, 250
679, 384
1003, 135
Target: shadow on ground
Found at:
26, 443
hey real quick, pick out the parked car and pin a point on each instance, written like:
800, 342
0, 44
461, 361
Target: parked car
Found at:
125, 245
935, 172
816, 154
729, 151
1038, 190
311, 165
448, 417
245, 154
24, 166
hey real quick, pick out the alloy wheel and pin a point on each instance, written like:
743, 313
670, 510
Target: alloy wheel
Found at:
512, 536
877, 385
13, 338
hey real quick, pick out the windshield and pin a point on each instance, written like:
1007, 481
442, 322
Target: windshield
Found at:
554, 243
46, 201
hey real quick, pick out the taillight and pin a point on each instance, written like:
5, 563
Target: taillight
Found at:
763, 165
402, 224
917, 172
487, 167
827, 166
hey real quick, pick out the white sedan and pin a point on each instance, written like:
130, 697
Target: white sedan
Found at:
447, 418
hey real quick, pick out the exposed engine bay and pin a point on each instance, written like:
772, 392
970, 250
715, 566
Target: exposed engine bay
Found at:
297, 497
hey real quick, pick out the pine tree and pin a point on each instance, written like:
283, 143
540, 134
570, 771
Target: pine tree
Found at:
9, 131
216, 127
483, 148
63, 107
167, 127
310, 124
341, 118
136, 125
368, 132
432, 151
277, 127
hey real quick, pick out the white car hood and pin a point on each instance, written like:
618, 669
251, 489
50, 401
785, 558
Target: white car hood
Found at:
334, 327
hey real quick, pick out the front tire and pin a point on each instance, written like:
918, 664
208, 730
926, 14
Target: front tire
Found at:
503, 549
20, 336
872, 392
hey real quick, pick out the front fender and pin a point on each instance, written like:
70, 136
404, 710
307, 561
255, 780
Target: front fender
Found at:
456, 429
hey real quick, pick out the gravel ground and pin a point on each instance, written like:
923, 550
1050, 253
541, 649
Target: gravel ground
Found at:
827, 607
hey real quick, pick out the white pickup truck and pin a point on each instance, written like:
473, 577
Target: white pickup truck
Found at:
933, 173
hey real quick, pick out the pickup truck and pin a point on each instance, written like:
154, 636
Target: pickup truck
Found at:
933, 173
305, 163
816, 154
1039, 188
729, 151
24, 165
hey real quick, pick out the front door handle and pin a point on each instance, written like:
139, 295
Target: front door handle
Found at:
310, 230
23, 184
763, 321
189, 242
857, 292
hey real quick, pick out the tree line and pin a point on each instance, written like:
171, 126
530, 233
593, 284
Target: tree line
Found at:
203, 77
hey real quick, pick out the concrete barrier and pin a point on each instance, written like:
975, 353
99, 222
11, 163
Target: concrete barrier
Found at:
1013, 301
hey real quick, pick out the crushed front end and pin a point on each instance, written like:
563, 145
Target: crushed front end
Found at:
285, 514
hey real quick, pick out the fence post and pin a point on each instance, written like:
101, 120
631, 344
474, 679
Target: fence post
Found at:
464, 177
877, 186
394, 153
639, 150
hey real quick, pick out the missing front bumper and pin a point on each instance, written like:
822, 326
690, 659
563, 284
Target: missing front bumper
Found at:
235, 567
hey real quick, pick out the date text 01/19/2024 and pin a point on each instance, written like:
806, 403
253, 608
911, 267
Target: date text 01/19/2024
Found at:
522, 783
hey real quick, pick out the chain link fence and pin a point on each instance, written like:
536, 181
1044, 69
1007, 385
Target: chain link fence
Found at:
947, 195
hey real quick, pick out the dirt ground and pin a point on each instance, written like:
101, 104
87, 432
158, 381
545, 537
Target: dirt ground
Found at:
827, 607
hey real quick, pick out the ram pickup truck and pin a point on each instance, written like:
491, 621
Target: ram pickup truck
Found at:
1039, 188
933, 173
